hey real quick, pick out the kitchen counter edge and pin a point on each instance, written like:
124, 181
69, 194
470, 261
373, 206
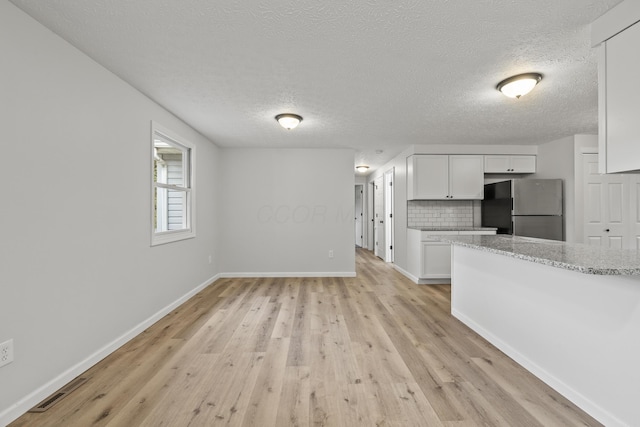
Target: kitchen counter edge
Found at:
453, 228
569, 256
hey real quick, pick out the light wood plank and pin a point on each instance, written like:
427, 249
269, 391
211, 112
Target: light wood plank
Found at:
373, 350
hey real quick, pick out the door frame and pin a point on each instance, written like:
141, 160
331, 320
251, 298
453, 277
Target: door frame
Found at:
360, 187
388, 214
378, 217
370, 189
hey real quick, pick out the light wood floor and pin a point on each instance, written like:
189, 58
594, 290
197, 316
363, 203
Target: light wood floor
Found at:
376, 350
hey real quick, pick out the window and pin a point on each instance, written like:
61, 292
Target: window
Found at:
172, 192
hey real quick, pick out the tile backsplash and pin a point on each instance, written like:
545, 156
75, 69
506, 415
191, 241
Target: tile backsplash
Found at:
440, 213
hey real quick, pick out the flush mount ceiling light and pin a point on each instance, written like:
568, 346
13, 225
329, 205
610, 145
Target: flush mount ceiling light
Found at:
362, 168
288, 120
522, 84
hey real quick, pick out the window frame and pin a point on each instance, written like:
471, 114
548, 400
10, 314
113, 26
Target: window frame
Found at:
188, 167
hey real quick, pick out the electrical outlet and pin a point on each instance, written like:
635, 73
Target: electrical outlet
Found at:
210, 258
6, 352
331, 253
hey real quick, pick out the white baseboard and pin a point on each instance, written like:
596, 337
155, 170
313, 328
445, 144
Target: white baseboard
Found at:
414, 279
443, 281
405, 273
552, 381
289, 274
23, 405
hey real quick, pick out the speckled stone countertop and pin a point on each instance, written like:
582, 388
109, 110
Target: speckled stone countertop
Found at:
571, 256
453, 228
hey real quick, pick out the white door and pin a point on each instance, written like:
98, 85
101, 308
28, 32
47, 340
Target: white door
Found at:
606, 206
634, 214
359, 218
378, 217
388, 214
369, 240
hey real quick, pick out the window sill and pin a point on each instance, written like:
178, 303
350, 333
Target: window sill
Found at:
171, 236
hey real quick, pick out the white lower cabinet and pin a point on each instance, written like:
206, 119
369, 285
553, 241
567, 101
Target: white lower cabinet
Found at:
435, 260
429, 260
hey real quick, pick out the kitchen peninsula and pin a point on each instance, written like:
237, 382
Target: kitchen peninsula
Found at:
569, 313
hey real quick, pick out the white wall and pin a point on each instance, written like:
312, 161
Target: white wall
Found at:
283, 210
359, 179
77, 272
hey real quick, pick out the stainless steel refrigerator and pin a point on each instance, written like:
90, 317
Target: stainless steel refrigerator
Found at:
524, 207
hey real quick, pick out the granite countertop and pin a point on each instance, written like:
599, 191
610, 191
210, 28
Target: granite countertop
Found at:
453, 228
571, 256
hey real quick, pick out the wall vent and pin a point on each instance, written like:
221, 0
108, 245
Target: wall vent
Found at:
58, 395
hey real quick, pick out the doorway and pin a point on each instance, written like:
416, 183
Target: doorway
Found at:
378, 217
382, 220
388, 214
359, 217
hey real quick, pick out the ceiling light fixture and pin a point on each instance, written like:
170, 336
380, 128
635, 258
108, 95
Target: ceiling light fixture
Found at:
522, 84
288, 120
362, 168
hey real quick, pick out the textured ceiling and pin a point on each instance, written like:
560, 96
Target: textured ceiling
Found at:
368, 75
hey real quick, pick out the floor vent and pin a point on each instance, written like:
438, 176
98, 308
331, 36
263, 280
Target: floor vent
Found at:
58, 395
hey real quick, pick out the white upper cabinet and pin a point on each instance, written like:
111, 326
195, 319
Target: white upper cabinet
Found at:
445, 177
509, 164
617, 33
619, 108
466, 177
427, 177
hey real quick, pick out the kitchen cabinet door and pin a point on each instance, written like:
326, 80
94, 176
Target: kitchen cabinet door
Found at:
445, 177
509, 164
436, 260
466, 177
497, 164
619, 102
523, 164
429, 261
428, 177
